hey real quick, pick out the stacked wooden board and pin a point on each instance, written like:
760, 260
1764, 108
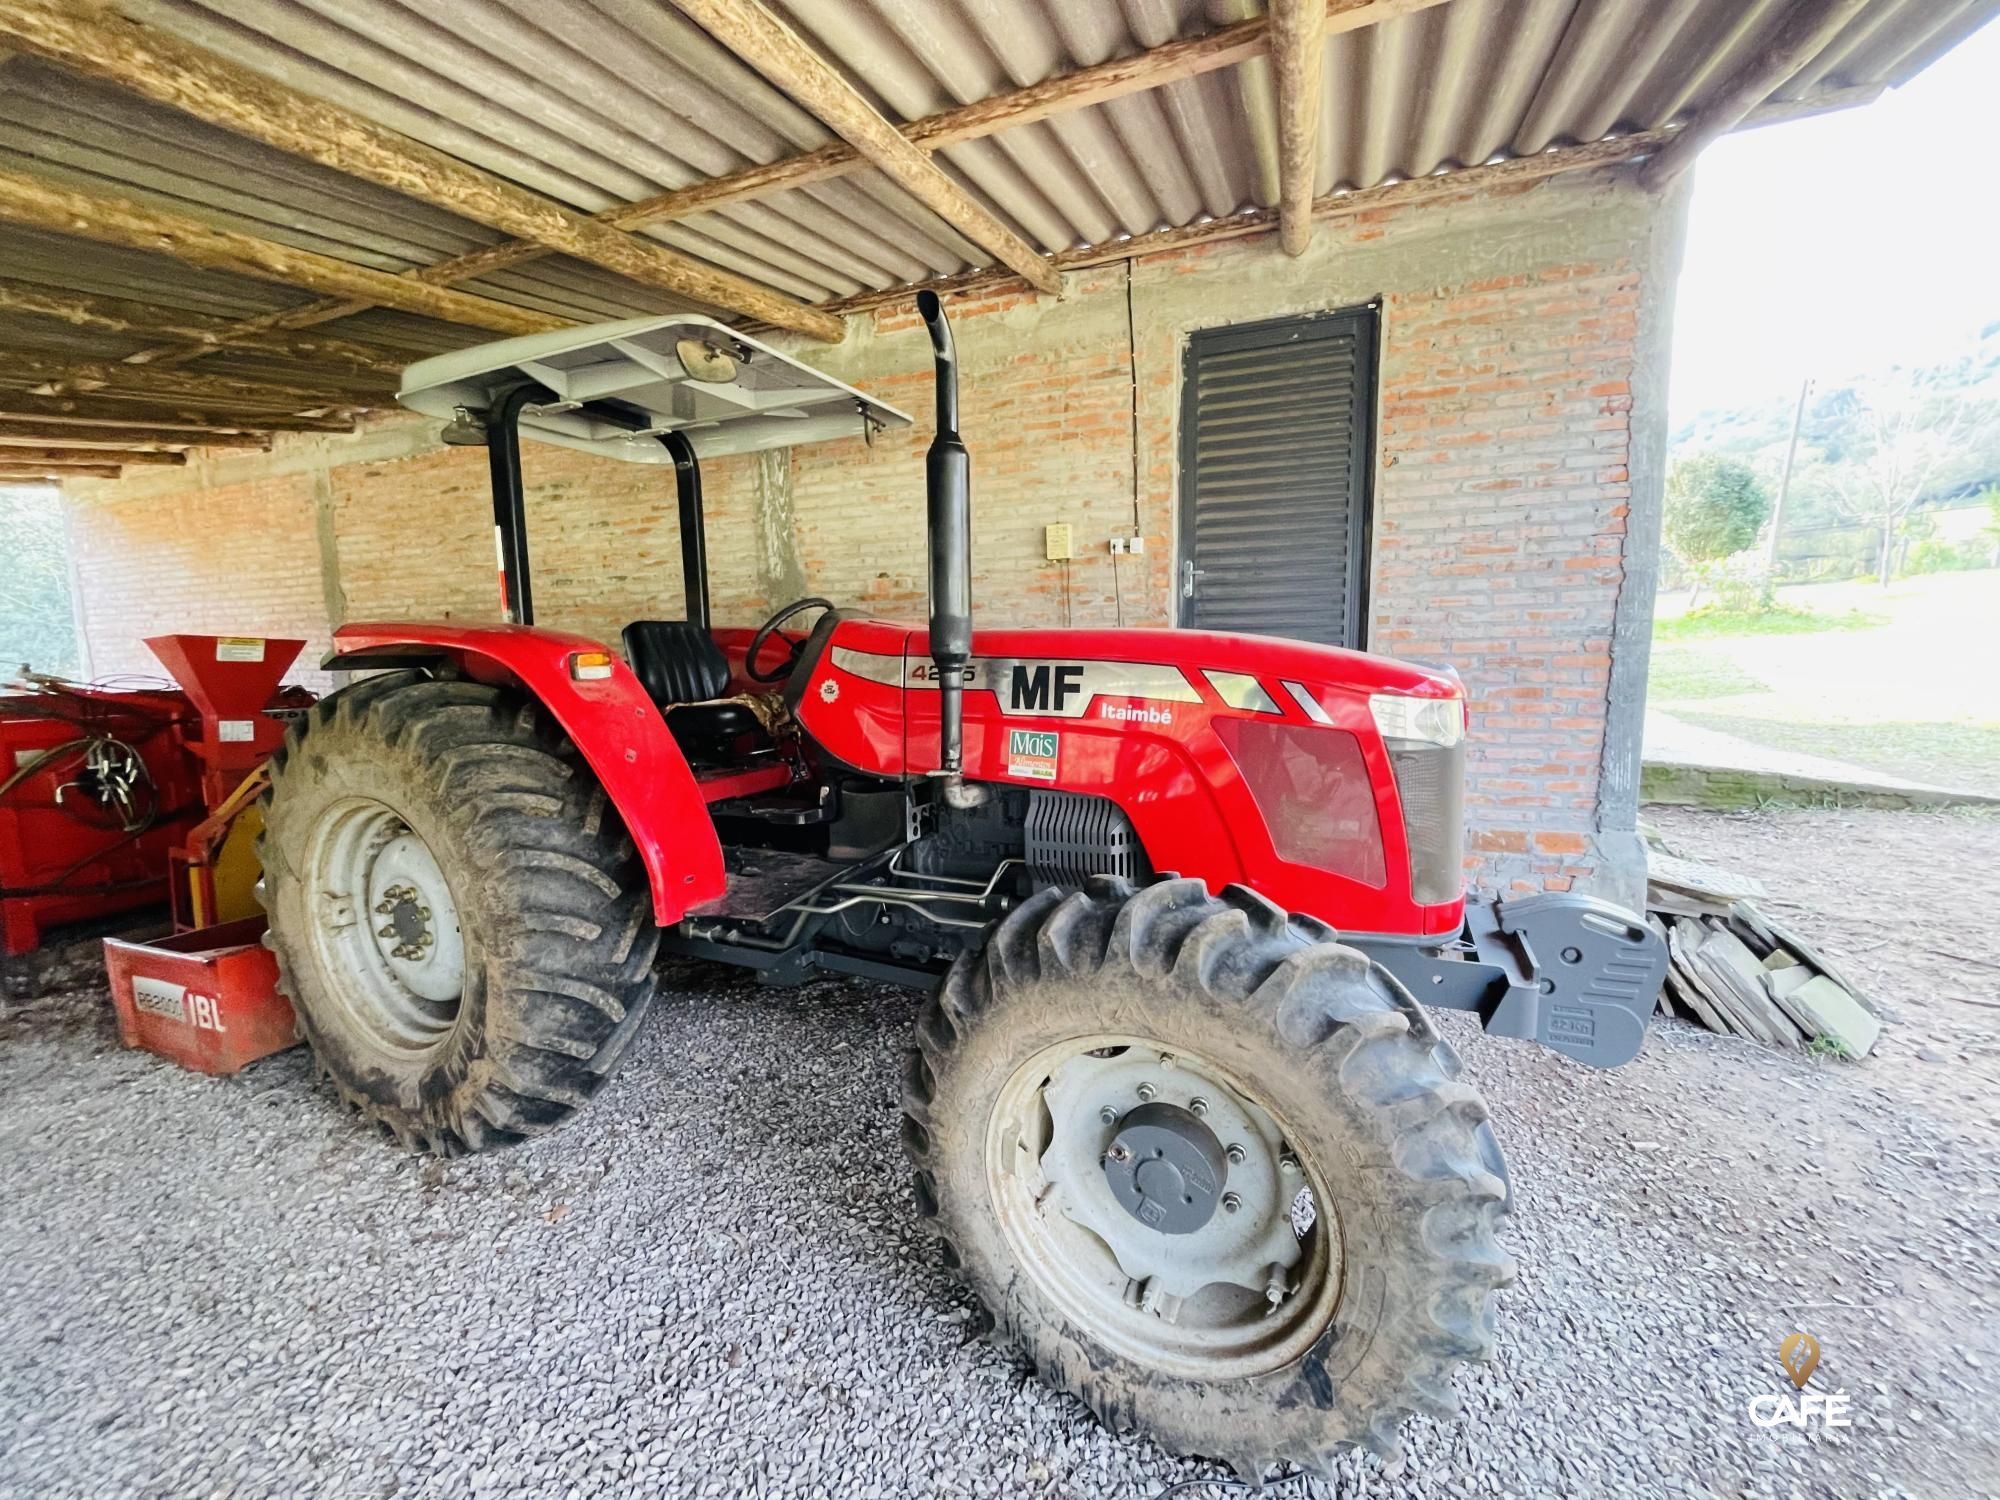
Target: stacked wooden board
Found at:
1739, 972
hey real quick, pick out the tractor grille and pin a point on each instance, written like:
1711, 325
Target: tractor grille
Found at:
1071, 837
1430, 780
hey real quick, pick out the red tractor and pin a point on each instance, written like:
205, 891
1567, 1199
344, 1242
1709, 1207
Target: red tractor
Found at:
1175, 1111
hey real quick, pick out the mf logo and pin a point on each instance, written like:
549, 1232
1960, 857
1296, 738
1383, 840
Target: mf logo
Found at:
1033, 688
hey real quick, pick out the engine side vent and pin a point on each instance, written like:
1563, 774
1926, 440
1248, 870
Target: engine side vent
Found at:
1071, 837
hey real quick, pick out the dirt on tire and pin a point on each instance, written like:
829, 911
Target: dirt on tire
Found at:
1338, 1052
553, 905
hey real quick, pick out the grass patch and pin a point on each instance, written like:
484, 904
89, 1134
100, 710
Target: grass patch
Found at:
1962, 756
1781, 619
1681, 674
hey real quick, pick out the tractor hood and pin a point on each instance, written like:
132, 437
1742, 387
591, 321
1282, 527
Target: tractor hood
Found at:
726, 391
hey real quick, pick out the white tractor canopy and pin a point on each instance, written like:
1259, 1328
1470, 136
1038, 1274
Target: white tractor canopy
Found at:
620, 386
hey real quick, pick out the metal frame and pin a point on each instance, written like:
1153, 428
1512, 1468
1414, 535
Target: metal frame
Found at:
510, 521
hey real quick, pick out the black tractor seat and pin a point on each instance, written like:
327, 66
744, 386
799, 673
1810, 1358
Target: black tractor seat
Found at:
683, 671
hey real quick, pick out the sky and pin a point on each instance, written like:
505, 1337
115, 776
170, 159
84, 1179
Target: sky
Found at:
1844, 243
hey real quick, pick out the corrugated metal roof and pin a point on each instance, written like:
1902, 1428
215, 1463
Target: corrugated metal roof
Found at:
602, 102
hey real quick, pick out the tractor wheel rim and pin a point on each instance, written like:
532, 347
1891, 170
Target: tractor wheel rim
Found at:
386, 927
1161, 1204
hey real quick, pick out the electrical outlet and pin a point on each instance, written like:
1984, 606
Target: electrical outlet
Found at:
1056, 541
1118, 546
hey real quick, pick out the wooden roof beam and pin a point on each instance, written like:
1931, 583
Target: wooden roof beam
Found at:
55, 472
99, 407
215, 90
767, 44
1805, 31
121, 380
1298, 57
145, 320
31, 430
86, 456
1157, 66
41, 204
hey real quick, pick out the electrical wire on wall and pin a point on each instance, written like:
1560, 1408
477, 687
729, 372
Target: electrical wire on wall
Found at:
1068, 615
1117, 590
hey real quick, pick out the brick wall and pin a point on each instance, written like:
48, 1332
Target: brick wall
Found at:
238, 558
1521, 415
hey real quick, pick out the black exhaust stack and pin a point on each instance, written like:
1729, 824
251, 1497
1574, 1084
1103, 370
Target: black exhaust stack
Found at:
948, 494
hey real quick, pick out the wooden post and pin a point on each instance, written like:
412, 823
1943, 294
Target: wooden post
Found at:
767, 44
1807, 28
1298, 55
170, 72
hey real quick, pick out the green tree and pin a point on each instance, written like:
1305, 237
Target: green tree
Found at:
35, 623
1716, 506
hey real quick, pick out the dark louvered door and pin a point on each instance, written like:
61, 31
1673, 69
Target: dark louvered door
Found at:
1275, 426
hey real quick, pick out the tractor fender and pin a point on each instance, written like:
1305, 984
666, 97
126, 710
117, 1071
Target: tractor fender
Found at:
611, 721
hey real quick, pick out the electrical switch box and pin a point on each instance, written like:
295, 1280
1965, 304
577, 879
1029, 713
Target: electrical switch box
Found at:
1056, 541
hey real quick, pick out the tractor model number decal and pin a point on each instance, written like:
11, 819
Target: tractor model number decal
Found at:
1041, 689
1032, 754
176, 1002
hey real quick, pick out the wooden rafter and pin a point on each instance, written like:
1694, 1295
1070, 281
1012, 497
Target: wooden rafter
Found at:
140, 381
1804, 33
1520, 172
1298, 55
41, 204
1100, 83
41, 430
145, 320
212, 89
59, 471
96, 407
86, 456
767, 44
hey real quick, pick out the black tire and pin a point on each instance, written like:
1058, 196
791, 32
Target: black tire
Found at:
1344, 1057
553, 906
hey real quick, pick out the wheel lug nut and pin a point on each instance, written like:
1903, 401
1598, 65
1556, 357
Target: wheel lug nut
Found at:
1146, 1091
1234, 1153
1198, 1105
1230, 1203
1108, 1115
1288, 1163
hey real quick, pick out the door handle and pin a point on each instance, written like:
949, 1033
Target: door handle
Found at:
1189, 573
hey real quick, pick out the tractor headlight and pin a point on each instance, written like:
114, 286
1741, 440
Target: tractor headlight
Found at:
1425, 738
1426, 721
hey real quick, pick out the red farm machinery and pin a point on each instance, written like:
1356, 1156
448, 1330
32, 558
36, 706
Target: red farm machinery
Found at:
1175, 1108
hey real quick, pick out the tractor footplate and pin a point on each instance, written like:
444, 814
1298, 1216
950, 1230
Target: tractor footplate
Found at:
1578, 975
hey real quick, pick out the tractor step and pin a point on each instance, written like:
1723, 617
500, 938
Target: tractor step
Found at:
762, 882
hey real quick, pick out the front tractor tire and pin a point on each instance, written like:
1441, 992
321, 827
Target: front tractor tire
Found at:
1209, 1170
459, 918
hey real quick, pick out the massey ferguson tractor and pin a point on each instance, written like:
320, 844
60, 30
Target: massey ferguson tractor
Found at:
1175, 1108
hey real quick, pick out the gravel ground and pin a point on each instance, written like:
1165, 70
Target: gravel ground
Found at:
712, 1283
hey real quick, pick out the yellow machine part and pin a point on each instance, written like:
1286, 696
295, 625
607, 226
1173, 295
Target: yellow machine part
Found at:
236, 869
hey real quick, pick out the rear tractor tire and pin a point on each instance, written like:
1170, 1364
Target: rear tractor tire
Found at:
458, 915
1210, 1171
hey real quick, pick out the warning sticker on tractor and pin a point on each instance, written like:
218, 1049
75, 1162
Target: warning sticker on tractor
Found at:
1032, 754
238, 648
241, 731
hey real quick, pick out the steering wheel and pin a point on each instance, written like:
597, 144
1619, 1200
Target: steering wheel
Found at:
764, 633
